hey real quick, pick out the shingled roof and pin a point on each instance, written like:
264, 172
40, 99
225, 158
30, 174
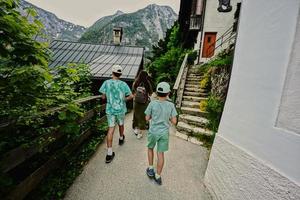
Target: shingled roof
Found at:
100, 57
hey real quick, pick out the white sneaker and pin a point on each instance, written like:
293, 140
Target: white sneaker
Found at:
139, 136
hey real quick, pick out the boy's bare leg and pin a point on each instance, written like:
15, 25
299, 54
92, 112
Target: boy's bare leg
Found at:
121, 130
150, 156
160, 162
110, 134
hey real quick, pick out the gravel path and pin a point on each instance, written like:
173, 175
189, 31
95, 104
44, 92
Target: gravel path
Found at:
125, 178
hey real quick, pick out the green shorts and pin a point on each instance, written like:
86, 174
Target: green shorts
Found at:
115, 119
162, 141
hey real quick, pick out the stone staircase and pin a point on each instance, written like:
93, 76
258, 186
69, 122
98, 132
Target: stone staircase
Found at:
192, 121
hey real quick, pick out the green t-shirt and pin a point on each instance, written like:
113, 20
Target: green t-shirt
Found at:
115, 91
161, 112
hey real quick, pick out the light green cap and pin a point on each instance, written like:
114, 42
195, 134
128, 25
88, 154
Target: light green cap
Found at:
163, 87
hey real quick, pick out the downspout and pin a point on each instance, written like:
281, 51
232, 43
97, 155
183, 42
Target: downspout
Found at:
203, 17
237, 32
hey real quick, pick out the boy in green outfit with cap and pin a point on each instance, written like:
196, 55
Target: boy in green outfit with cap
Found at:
159, 112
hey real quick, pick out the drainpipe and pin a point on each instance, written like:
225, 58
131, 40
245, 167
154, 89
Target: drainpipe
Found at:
203, 18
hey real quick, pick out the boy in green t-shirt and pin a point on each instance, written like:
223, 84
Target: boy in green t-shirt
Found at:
116, 93
159, 112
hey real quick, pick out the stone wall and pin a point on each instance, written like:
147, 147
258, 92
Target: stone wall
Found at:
219, 81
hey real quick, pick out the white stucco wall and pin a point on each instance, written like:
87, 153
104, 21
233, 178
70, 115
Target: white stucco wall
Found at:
216, 21
259, 84
233, 174
289, 117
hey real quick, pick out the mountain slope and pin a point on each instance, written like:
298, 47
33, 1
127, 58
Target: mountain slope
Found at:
55, 28
91, 35
141, 28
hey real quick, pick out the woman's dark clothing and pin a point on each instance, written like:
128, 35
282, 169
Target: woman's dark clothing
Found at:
139, 120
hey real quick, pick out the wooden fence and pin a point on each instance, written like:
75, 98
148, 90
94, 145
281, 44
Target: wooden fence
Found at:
15, 158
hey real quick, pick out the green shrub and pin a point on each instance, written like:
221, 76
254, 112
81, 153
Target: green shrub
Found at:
166, 67
221, 61
167, 57
214, 109
192, 55
57, 183
204, 83
203, 69
203, 105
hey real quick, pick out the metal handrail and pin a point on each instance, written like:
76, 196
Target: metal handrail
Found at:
180, 81
226, 40
223, 38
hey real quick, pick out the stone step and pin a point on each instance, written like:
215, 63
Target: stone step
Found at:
192, 86
193, 111
194, 79
192, 98
194, 75
193, 130
188, 138
190, 104
193, 120
194, 67
193, 71
194, 89
195, 94
192, 82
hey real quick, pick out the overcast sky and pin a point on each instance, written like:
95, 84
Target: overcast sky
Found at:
86, 12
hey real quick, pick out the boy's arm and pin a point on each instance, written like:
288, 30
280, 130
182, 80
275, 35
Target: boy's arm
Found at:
128, 93
102, 90
174, 120
127, 98
173, 116
148, 112
148, 117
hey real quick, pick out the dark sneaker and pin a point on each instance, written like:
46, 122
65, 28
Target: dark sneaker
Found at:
150, 172
109, 158
158, 180
121, 142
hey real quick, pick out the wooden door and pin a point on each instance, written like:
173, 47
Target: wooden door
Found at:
209, 44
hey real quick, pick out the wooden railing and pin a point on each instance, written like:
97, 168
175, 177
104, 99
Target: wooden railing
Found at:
12, 162
180, 82
195, 22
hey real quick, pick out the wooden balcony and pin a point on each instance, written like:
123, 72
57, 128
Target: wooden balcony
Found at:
195, 22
